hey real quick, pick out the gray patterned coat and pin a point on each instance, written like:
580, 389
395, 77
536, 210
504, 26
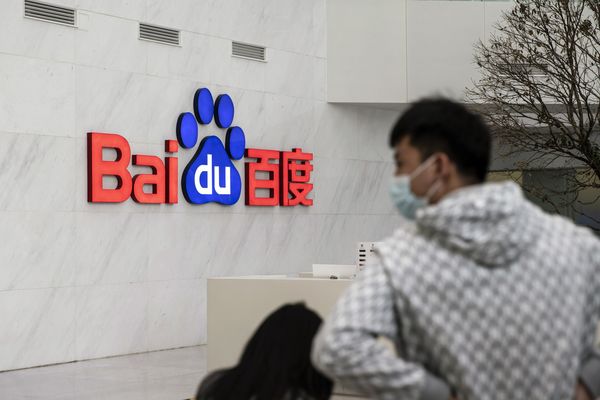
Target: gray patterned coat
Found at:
484, 292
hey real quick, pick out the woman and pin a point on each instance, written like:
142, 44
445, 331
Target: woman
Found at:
275, 365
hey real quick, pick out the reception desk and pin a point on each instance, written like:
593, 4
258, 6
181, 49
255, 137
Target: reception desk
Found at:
237, 305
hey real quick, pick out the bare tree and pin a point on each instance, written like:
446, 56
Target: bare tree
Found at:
540, 86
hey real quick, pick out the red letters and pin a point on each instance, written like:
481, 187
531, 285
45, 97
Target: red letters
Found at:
271, 183
156, 179
295, 178
288, 183
285, 176
98, 168
163, 181
172, 172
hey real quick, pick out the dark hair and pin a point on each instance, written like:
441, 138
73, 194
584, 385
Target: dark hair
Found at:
275, 363
441, 125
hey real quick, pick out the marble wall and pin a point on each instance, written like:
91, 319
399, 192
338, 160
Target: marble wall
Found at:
80, 280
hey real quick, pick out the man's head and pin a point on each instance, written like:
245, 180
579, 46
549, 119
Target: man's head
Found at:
451, 144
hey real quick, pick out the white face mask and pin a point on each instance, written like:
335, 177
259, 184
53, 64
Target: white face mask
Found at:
403, 197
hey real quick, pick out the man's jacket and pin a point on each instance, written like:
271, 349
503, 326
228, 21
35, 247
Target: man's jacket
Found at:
484, 295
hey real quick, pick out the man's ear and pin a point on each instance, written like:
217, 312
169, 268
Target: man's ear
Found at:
444, 165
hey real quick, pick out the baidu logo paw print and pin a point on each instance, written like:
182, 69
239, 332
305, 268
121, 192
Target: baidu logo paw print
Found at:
210, 176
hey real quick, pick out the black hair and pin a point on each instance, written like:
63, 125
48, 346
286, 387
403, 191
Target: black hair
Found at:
275, 363
441, 125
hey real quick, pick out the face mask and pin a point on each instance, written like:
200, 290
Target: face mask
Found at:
403, 197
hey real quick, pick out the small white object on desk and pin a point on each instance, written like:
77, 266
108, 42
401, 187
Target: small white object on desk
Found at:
334, 271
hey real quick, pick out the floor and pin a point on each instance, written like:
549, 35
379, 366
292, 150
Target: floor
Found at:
160, 375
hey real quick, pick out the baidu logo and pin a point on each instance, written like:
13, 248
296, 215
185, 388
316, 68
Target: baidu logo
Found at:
272, 177
210, 176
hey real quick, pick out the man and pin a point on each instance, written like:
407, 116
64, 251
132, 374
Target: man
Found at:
484, 295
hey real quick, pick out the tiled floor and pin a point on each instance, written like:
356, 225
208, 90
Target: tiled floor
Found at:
161, 375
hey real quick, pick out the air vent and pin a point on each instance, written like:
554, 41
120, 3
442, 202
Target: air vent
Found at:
49, 13
159, 34
248, 51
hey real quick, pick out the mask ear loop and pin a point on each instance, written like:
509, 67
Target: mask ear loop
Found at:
426, 164
436, 186
433, 190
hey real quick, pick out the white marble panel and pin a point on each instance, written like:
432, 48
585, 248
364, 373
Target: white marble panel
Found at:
72, 385
38, 327
289, 123
289, 240
351, 187
241, 20
57, 385
92, 378
140, 107
263, 244
320, 28
31, 38
237, 72
195, 59
336, 132
373, 131
289, 25
232, 242
276, 24
176, 387
37, 172
164, 100
132, 9
293, 244
320, 79
290, 74
215, 17
188, 15
111, 320
353, 132
160, 375
181, 245
111, 248
97, 44
36, 96
176, 313
337, 237
37, 249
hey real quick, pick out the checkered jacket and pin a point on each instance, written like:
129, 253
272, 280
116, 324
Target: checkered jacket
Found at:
484, 294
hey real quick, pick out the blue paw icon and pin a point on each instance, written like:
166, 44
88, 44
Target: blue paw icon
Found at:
210, 176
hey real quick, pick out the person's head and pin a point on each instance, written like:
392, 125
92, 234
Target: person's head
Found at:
276, 361
441, 146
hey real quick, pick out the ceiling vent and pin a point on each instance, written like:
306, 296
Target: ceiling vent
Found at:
49, 13
159, 34
248, 51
